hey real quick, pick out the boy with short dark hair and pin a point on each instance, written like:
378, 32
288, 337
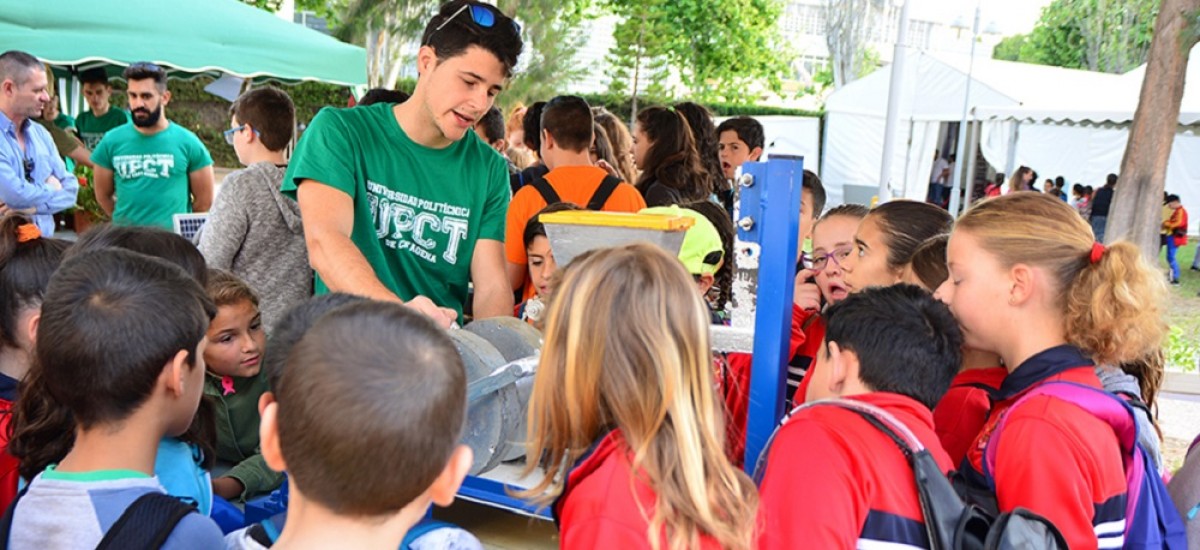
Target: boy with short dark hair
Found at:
832, 479
491, 129
254, 230
345, 491
126, 384
94, 123
566, 136
740, 140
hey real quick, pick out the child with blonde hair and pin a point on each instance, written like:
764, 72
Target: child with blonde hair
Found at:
624, 419
1029, 282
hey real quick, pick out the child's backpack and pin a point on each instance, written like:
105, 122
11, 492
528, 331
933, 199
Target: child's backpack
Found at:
427, 534
603, 192
146, 523
949, 522
1151, 519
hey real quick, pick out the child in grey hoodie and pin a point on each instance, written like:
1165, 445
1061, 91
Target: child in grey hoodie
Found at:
253, 230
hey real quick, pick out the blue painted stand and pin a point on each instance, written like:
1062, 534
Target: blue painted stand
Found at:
773, 203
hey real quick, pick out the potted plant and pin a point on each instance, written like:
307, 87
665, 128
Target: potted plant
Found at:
87, 209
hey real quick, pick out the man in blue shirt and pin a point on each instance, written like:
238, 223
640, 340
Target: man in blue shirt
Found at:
33, 179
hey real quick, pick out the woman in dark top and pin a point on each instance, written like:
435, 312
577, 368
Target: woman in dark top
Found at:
665, 152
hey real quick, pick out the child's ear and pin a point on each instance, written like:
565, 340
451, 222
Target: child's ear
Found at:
843, 368
547, 139
176, 372
265, 399
755, 154
1021, 277
706, 282
35, 320
268, 434
447, 483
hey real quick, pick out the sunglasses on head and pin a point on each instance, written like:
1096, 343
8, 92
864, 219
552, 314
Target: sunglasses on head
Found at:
483, 15
28, 164
146, 66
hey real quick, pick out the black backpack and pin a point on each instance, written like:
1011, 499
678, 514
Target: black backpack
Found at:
603, 192
145, 525
949, 522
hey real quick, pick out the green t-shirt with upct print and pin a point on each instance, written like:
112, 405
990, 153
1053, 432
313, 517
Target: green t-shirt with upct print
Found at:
150, 173
92, 128
418, 212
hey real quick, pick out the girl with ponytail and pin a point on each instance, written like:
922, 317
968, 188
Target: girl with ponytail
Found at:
26, 262
1029, 282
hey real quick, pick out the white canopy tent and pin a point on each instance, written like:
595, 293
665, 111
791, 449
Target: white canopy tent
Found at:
1083, 138
933, 94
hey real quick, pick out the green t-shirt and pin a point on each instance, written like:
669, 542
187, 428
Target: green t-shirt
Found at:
151, 172
417, 211
65, 121
92, 128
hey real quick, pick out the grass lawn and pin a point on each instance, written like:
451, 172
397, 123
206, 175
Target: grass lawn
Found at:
1183, 312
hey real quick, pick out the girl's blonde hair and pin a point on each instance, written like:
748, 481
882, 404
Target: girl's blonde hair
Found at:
1113, 308
627, 347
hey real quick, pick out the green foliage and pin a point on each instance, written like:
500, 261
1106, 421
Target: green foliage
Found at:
322, 8
86, 198
622, 105
1183, 350
720, 49
1097, 35
1009, 48
550, 29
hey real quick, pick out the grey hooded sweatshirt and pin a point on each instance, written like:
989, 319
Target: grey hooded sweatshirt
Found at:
254, 231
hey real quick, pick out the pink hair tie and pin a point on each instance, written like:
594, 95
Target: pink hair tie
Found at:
1097, 253
227, 385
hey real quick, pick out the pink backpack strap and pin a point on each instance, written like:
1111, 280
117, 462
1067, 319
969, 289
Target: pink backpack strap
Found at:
1109, 408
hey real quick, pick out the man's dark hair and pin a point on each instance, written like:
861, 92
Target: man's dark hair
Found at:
532, 126
999, 179
398, 377
144, 70
492, 125
16, 65
906, 341
270, 112
97, 75
1060, 182
1172, 198
450, 35
907, 224
812, 184
952, 157
294, 325
569, 119
1111, 180
382, 95
110, 321
749, 130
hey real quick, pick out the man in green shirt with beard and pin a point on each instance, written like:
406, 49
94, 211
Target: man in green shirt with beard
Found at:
403, 202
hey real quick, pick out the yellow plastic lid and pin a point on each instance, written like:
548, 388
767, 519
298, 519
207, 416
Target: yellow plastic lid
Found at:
657, 222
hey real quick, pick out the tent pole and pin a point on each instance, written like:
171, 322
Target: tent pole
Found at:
960, 158
895, 85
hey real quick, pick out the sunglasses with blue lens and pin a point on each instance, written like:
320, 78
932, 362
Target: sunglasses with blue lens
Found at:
483, 15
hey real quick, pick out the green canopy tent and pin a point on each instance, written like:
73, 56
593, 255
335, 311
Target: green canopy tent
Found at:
187, 37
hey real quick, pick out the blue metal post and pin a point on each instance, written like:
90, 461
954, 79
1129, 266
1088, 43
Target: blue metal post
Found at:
769, 215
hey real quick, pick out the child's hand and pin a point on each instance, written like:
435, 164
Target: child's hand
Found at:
228, 488
607, 167
807, 295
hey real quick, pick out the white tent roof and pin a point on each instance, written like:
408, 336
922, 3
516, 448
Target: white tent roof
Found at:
935, 87
1113, 102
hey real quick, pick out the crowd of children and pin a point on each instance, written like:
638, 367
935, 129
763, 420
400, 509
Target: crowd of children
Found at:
150, 387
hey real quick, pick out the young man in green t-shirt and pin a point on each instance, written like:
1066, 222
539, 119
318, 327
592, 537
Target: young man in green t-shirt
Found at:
148, 171
403, 202
93, 124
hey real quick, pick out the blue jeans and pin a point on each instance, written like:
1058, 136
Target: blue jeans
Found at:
1099, 223
1171, 249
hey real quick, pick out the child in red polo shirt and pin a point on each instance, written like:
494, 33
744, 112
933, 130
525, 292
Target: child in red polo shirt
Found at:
623, 419
833, 480
1029, 282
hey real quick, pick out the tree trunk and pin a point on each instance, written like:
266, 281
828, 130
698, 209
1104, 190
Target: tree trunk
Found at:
1136, 212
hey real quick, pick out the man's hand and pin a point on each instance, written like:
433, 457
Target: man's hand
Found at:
807, 296
54, 183
442, 316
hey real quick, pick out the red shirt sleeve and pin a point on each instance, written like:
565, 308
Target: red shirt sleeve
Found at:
810, 496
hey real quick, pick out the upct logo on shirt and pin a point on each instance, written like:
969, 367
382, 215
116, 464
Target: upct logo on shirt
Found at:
405, 222
155, 165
